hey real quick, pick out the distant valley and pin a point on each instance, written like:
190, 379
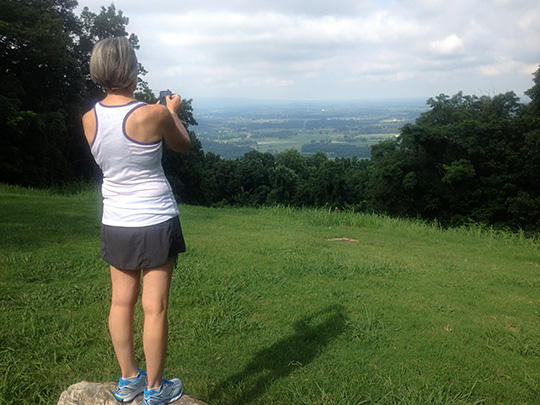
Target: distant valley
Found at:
231, 128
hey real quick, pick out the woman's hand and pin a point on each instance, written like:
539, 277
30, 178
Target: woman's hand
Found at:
173, 131
174, 103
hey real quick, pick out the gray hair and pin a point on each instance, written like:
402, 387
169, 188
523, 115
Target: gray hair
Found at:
113, 63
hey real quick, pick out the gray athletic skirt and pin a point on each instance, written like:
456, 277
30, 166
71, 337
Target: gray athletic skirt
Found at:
143, 247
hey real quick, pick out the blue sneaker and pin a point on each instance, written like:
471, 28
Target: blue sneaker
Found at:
169, 392
127, 390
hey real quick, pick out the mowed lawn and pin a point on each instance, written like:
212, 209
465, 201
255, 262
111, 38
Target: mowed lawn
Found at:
267, 307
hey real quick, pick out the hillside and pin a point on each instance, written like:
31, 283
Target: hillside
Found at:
273, 305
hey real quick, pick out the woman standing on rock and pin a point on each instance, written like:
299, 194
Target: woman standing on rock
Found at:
141, 232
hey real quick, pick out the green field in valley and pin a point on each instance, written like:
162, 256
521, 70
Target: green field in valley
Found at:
278, 305
339, 129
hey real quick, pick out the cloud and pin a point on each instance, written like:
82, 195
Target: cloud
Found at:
340, 49
449, 46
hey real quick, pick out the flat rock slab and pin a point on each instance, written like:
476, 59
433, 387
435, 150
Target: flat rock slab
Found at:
87, 393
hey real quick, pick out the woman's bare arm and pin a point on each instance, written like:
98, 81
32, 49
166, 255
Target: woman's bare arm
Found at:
174, 133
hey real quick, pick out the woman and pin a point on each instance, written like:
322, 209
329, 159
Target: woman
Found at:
141, 232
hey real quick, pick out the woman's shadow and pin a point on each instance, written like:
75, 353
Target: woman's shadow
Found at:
312, 335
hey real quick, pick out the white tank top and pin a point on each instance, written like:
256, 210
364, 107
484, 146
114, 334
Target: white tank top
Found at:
135, 190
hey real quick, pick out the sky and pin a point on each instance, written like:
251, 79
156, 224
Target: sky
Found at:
334, 50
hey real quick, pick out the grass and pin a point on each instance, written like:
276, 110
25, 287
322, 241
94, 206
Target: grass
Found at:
275, 144
266, 309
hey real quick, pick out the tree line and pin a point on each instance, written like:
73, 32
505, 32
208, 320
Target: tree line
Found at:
466, 159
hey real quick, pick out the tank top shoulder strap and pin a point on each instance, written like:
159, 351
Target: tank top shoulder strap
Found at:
111, 118
124, 108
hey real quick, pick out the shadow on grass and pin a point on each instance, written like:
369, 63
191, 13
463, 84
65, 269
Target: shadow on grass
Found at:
313, 334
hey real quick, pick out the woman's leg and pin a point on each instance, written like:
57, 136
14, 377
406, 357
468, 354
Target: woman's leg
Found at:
126, 286
155, 300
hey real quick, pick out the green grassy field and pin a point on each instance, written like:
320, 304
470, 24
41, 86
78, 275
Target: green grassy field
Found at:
267, 140
266, 308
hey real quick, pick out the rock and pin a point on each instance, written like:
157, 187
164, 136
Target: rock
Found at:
87, 393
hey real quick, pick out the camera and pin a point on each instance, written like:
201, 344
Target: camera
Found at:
163, 94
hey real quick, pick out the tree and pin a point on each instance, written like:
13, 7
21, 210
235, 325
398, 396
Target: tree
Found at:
524, 206
534, 94
463, 160
284, 182
390, 180
290, 179
39, 89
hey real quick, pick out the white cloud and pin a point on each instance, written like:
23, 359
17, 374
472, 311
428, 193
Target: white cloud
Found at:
451, 45
340, 49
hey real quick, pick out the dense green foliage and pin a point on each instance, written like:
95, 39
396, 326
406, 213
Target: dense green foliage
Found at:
266, 308
467, 159
288, 178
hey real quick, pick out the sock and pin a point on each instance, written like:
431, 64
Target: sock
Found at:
132, 379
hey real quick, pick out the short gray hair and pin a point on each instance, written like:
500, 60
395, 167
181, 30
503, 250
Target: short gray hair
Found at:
113, 63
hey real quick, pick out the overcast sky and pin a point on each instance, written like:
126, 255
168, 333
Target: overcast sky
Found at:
337, 50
